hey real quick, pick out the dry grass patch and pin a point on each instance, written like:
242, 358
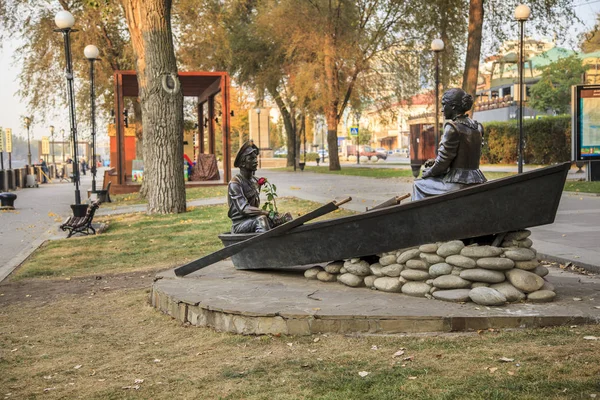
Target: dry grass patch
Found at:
96, 347
137, 242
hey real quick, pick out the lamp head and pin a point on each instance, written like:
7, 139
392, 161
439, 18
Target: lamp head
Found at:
91, 52
437, 45
27, 121
257, 109
522, 12
52, 129
64, 20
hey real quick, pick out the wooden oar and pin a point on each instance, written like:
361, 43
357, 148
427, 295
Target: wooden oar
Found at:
239, 246
391, 202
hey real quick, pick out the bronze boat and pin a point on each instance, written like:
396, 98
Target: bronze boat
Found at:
503, 205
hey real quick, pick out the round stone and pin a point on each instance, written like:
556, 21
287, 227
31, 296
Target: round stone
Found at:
360, 268
311, 273
479, 284
418, 289
486, 296
480, 251
408, 255
524, 280
428, 248
417, 264
511, 293
461, 261
376, 269
541, 271
387, 260
334, 268
541, 296
392, 270
518, 235
456, 271
455, 295
526, 243
350, 280
369, 280
495, 263
431, 258
387, 284
440, 269
343, 270
450, 248
482, 275
548, 286
325, 276
414, 275
519, 254
451, 282
528, 265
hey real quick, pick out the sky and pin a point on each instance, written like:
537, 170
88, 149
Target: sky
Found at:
12, 108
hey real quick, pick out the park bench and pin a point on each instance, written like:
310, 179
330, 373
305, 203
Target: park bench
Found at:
81, 224
104, 194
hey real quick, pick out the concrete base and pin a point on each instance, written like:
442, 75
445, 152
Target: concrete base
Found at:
274, 302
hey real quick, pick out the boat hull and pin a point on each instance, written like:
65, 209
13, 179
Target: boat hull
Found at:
507, 204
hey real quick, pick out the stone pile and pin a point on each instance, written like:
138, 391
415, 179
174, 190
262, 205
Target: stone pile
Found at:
450, 271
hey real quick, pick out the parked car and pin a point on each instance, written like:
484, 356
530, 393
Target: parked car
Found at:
280, 152
370, 152
323, 154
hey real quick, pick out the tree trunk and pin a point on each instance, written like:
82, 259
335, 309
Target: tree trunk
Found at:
161, 98
331, 107
287, 123
473, 47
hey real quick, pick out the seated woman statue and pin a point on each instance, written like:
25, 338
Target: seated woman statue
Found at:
243, 196
457, 163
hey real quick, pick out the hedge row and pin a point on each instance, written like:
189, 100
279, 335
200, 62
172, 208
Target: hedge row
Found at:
546, 141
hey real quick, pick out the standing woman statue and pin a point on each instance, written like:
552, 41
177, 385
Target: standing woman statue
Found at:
457, 163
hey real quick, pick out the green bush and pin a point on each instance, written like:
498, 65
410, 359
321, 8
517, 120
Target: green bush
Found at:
546, 141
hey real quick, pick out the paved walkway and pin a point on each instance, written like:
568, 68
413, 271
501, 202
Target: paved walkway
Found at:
574, 237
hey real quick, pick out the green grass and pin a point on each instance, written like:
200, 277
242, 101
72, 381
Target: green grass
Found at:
141, 242
194, 193
584, 187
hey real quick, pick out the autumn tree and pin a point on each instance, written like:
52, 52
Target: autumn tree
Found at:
553, 91
591, 39
161, 99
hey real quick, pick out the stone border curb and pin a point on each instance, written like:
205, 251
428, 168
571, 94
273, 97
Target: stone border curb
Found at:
240, 322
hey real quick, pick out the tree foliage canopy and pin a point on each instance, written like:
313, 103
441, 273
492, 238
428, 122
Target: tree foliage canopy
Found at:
553, 91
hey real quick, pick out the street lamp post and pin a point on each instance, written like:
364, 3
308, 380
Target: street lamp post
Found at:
28, 125
259, 147
52, 142
437, 45
522, 13
64, 21
62, 131
91, 53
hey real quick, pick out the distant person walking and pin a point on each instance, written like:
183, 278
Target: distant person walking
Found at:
83, 166
44, 168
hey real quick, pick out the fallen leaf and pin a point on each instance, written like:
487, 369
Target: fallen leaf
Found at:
504, 359
156, 360
409, 358
13, 350
138, 381
576, 299
316, 340
290, 344
49, 389
398, 353
590, 338
412, 378
492, 369
77, 366
511, 373
136, 387
363, 373
374, 347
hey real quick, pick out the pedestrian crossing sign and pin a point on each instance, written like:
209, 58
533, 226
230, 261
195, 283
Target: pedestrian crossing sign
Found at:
354, 131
